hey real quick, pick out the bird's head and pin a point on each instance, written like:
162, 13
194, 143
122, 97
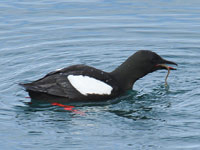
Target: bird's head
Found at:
147, 61
138, 65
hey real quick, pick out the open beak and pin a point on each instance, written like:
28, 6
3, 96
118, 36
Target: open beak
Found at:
164, 65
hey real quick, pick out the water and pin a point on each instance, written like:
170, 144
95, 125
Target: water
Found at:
41, 36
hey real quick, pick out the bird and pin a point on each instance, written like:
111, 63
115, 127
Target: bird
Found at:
82, 83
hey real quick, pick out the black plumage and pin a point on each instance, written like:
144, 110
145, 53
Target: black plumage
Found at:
55, 86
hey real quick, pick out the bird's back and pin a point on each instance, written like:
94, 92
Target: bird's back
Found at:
74, 83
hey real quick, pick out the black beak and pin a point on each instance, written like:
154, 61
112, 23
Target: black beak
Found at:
163, 64
169, 62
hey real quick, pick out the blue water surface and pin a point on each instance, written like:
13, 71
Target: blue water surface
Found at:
40, 36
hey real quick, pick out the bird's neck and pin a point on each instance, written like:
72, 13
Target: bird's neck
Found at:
127, 74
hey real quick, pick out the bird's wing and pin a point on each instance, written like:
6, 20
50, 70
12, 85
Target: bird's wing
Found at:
75, 82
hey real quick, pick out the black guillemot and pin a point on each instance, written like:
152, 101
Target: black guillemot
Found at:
81, 83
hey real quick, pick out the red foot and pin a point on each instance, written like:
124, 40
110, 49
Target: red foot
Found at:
69, 108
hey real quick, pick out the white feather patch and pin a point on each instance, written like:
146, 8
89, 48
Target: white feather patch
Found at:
59, 69
87, 85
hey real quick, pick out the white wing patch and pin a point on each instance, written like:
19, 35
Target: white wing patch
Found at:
87, 85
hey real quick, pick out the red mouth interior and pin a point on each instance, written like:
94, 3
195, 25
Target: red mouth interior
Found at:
165, 66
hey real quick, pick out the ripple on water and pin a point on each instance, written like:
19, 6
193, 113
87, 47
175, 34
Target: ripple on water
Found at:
41, 36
